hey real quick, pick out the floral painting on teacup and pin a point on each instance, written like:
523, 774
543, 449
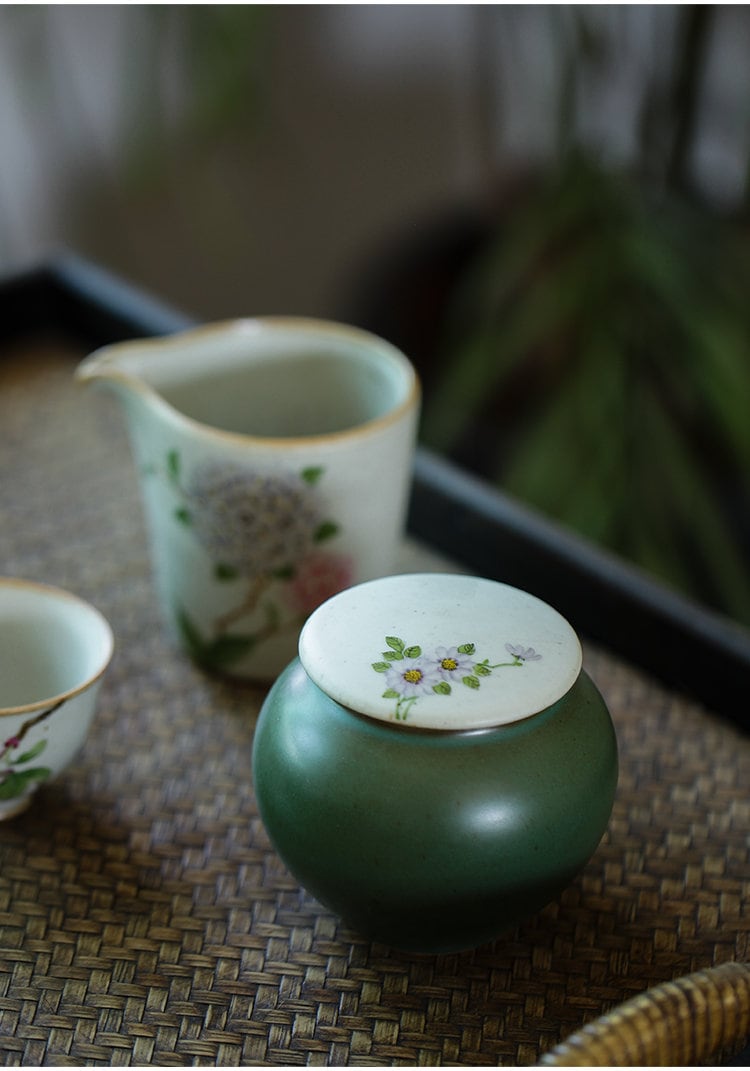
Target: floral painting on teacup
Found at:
17, 774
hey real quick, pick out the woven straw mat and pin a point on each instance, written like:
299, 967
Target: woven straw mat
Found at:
144, 916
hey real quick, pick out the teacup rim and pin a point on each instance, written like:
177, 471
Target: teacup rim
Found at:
106, 629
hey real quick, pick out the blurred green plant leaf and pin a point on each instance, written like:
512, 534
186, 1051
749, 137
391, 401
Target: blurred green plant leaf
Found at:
606, 336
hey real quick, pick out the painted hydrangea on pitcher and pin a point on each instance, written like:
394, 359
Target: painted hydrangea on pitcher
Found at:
251, 523
266, 536
411, 673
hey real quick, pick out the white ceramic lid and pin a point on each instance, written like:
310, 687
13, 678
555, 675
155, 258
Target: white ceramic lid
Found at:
440, 651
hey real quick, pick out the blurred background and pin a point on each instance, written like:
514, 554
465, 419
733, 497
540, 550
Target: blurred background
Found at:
545, 206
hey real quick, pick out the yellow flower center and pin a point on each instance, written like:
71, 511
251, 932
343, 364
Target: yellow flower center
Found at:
449, 663
413, 676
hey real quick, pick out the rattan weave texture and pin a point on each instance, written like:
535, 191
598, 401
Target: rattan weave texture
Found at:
144, 918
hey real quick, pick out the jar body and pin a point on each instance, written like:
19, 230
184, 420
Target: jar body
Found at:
429, 840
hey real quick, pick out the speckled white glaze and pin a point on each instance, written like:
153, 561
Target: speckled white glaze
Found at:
440, 651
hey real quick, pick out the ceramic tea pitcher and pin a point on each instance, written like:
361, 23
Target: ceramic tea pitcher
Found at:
275, 459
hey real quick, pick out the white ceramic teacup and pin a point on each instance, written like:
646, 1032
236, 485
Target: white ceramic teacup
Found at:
54, 649
275, 458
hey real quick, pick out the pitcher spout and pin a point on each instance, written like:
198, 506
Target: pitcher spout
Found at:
106, 369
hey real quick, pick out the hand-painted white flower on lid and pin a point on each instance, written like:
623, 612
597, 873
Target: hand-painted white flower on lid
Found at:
440, 651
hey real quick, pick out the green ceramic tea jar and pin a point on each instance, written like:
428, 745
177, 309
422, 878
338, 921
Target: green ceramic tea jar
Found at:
436, 764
